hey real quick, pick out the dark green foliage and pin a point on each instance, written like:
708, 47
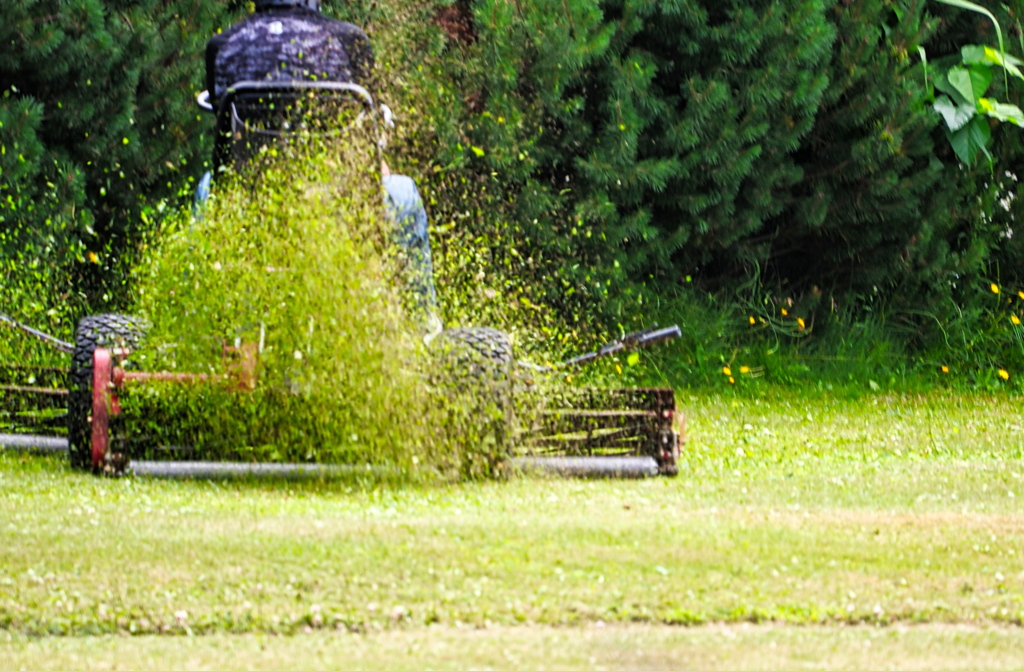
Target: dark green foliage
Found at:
999, 207
98, 125
695, 111
786, 147
875, 203
590, 153
641, 139
492, 78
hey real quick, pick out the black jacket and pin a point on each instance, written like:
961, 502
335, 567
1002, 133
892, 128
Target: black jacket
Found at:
288, 44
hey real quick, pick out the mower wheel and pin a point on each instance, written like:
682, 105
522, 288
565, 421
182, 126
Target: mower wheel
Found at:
107, 331
476, 377
477, 345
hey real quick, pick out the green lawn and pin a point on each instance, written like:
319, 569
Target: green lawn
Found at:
792, 509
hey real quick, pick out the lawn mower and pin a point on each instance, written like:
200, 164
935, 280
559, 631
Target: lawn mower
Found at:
589, 432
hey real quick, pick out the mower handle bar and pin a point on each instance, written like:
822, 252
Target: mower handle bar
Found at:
45, 337
203, 98
644, 338
229, 122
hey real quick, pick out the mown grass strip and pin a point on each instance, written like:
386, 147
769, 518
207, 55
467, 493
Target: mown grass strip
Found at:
854, 516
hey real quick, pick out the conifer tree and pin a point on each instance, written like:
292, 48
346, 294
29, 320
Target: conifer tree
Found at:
98, 123
696, 111
639, 138
788, 142
875, 201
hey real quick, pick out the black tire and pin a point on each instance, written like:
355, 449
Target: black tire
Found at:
476, 357
475, 373
477, 347
107, 330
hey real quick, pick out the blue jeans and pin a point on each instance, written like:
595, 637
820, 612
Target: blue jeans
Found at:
409, 216
405, 208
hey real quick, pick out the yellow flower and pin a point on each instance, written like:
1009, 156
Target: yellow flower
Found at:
732, 381
994, 287
785, 312
1003, 374
1021, 294
93, 257
744, 369
800, 322
726, 370
618, 369
752, 320
945, 369
1015, 320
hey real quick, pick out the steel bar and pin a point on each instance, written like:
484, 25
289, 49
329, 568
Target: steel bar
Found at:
589, 467
630, 467
122, 377
46, 391
65, 347
27, 443
226, 470
608, 467
240, 363
645, 338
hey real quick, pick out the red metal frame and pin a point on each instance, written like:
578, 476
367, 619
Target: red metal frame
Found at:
107, 379
101, 405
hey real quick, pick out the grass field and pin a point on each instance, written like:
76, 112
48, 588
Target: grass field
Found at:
811, 528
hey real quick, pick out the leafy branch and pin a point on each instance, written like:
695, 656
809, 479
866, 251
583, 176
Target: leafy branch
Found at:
963, 84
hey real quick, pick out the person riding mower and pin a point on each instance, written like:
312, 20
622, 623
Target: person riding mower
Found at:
290, 46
